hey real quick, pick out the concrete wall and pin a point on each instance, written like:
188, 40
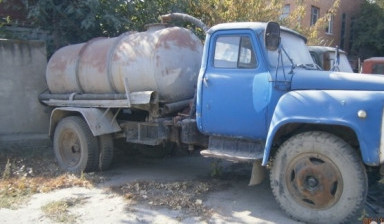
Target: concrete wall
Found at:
22, 79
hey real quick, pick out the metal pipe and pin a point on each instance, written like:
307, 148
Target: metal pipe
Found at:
184, 17
177, 106
87, 96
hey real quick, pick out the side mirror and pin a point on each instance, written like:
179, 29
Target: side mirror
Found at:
272, 36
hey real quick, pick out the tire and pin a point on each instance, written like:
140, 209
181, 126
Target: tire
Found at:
316, 177
75, 147
106, 151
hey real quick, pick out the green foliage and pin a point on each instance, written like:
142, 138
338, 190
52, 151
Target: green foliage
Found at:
74, 21
368, 39
141, 12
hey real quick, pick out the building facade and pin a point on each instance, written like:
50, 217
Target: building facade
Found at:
338, 28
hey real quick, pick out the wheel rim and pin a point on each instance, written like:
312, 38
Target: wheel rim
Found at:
70, 148
314, 181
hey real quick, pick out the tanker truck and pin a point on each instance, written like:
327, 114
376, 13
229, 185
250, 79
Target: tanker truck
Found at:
251, 94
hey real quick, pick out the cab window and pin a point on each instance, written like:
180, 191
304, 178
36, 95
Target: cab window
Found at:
234, 52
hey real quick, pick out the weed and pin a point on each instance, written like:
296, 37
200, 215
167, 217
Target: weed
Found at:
216, 168
58, 210
7, 170
364, 214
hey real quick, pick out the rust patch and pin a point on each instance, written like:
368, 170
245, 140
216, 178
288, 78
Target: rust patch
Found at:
96, 54
179, 37
64, 57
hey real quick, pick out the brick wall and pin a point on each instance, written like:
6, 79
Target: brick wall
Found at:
348, 9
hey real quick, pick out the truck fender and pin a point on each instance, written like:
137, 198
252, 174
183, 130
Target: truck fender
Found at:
331, 107
100, 121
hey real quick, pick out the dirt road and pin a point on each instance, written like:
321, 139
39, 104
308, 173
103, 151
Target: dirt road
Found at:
176, 189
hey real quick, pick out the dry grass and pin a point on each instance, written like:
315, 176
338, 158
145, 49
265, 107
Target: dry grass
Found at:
23, 176
14, 191
58, 211
181, 195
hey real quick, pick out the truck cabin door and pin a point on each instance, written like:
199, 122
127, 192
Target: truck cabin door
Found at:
227, 104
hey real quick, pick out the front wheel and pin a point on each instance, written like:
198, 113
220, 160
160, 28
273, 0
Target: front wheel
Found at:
316, 177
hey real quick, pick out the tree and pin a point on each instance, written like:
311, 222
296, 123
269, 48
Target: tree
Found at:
368, 38
213, 12
74, 21
218, 11
312, 32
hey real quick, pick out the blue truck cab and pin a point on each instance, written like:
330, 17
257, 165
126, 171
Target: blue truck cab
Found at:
260, 97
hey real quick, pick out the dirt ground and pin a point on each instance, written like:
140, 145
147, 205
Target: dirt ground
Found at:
138, 189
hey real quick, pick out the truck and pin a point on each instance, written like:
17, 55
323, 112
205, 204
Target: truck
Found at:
374, 65
330, 58
252, 93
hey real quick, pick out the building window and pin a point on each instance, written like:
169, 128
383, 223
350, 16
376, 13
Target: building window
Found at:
329, 28
286, 11
342, 33
315, 12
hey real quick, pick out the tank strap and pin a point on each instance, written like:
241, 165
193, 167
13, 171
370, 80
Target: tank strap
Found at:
81, 52
111, 53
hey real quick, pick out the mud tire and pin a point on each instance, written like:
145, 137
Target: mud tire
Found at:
75, 147
310, 162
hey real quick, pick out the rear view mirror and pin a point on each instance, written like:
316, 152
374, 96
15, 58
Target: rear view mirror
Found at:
272, 36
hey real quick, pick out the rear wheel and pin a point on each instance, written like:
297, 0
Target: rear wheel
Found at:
75, 147
316, 177
106, 151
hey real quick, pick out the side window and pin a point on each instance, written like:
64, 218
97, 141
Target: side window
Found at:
234, 52
378, 69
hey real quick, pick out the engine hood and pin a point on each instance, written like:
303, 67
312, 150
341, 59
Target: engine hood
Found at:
328, 80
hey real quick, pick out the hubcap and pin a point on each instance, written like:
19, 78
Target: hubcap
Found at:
70, 148
314, 181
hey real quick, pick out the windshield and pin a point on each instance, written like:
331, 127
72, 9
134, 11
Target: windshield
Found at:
344, 65
296, 50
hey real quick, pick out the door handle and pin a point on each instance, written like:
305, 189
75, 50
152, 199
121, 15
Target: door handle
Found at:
205, 81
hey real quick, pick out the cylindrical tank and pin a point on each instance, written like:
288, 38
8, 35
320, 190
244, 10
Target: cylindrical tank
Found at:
165, 60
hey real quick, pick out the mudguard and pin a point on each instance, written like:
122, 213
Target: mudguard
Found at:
334, 107
100, 121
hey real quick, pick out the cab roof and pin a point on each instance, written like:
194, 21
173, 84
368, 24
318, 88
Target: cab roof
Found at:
256, 26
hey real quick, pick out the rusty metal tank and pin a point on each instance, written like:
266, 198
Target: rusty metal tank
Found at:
165, 60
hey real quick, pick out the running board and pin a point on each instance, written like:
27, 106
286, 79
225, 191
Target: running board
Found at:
236, 150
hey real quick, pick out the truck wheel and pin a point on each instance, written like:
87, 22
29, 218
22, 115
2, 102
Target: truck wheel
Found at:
316, 177
106, 151
75, 147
